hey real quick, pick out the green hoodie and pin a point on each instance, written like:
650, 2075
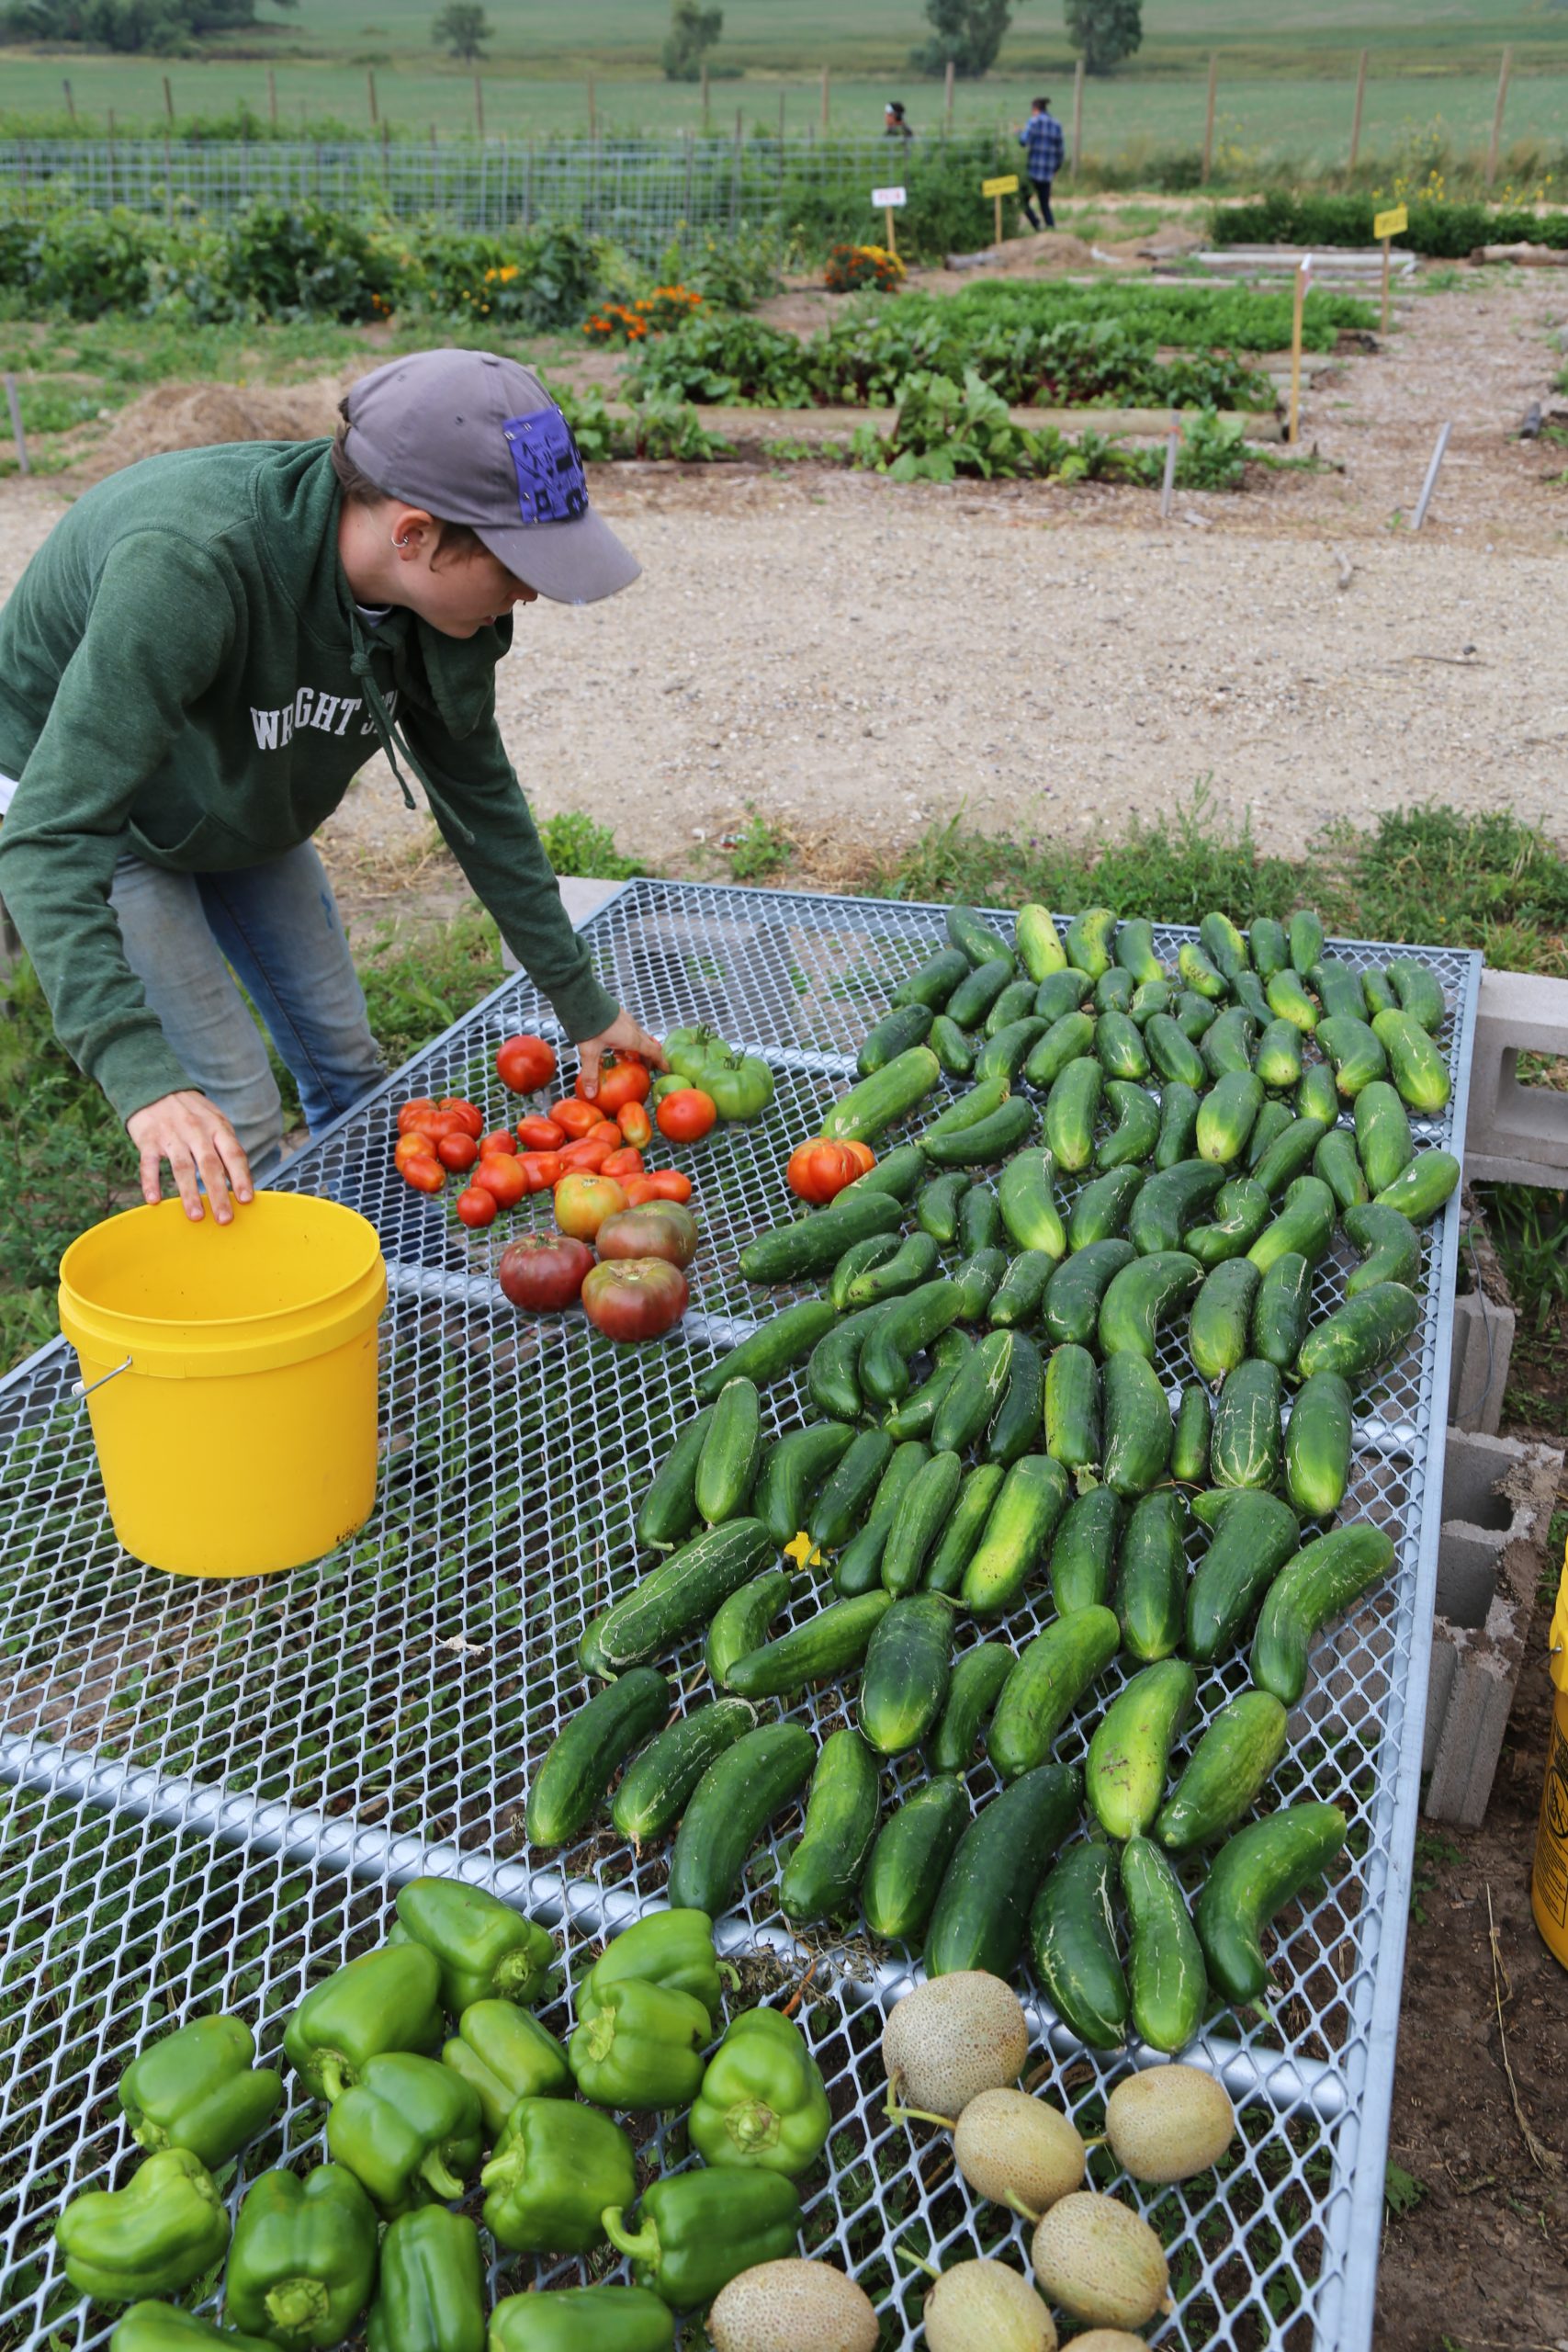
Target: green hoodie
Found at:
183, 678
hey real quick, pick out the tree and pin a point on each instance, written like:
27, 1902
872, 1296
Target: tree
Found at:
1104, 31
968, 34
692, 29
462, 27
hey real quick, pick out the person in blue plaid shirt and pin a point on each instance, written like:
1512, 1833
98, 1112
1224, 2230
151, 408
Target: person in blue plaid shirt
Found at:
1044, 145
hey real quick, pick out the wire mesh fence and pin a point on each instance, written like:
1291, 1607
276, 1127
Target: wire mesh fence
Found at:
217, 1786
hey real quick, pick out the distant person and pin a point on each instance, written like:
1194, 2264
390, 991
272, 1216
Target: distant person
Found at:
895, 122
1046, 148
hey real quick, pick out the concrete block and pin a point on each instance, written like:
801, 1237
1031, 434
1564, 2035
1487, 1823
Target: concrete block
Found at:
1484, 1346
581, 895
1516, 1133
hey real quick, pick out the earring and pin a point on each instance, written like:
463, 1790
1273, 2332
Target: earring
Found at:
400, 545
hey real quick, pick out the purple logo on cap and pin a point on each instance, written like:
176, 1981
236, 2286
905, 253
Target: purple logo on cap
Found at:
552, 485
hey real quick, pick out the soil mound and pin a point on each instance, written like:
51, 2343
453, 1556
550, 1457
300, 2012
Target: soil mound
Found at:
197, 416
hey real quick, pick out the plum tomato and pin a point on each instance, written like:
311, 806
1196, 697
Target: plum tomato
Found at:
476, 1206
589, 1152
635, 1125
501, 1174
498, 1139
416, 1143
655, 1229
543, 1271
820, 1171
542, 1170
687, 1115
576, 1118
635, 1298
457, 1152
524, 1063
415, 1113
425, 1175
539, 1134
623, 1078
627, 1161
582, 1202
462, 1117
659, 1184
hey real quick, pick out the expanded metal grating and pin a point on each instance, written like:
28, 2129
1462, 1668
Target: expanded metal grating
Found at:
216, 1788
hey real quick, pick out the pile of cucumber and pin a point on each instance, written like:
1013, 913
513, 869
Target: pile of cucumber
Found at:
1121, 1151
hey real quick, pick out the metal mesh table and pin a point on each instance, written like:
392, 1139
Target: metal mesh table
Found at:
214, 1789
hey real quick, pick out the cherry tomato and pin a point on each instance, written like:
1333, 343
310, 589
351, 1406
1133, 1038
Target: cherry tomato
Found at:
463, 1115
476, 1206
539, 1134
658, 1229
415, 1114
635, 1298
498, 1139
425, 1175
820, 1171
623, 1078
687, 1115
543, 1271
627, 1161
583, 1201
636, 1125
575, 1118
501, 1175
863, 1155
524, 1063
542, 1170
659, 1184
414, 1143
456, 1152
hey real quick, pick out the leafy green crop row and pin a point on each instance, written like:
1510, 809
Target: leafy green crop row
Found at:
1442, 231
1195, 317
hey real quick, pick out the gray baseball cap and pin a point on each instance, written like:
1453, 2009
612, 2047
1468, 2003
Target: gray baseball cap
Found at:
475, 438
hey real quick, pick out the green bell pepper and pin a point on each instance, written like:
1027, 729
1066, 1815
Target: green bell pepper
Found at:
200, 2088
504, 2054
670, 1948
160, 2233
410, 2131
582, 2319
555, 2168
430, 2296
303, 2259
390, 1999
700, 2229
164, 2327
762, 2100
641, 2048
741, 1085
487, 1951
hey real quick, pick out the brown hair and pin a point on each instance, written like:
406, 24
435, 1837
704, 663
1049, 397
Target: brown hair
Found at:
456, 542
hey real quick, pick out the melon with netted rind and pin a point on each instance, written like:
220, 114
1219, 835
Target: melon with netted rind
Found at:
953, 2037
1169, 2123
1100, 2261
793, 2306
1009, 2145
986, 2307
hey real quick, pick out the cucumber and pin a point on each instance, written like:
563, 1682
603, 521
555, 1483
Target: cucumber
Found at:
1015, 1000
858, 1568
1268, 1128
1070, 1037
1228, 1044
1136, 1421
569, 1787
797, 1469
1305, 931
1289, 1156
979, 1219
1015, 1425
986, 1097
978, 941
1172, 1052
937, 1205
1149, 998
1029, 1501
1318, 1097
1119, 1046
1134, 950
952, 1047
731, 1454
988, 1141
1253, 1875
1017, 1296
1143, 1296
908, 1663
1383, 1133
1047, 1682
1368, 1332
978, 1278
1246, 1450
1190, 1438
1317, 1445
901, 1171
1222, 944
874, 1251
1306, 1226
1026, 1196
1279, 1316
1225, 1116
737, 1796
827, 1645
1269, 947
776, 1346
1114, 990
1166, 1985
1419, 1072
1197, 971
821, 1877
1242, 1209
1131, 1141
814, 1244
934, 980
914, 1416
1082, 1554
868, 1109
922, 1513
1388, 1244
1418, 992
1255, 1535
1151, 1586
906, 1026
1072, 1940
1337, 1164
1377, 989
1195, 1016
1288, 1000
1177, 1123
982, 1909
668, 1513
1227, 1770
1088, 938
743, 1623
682, 1592
843, 1502
1170, 1202
961, 1536
973, 1688
910, 1858
1038, 943
915, 1260
1067, 991
1005, 1052
1070, 1312
1071, 1110
1100, 1212
1132, 1743
1323, 1579
832, 1373
1248, 991
1419, 1190
902, 1331
1072, 1407
654, 1790
1339, 989
1278, 1058
976, 994
1354, 1052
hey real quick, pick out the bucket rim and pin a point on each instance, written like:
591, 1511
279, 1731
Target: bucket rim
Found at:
89, 1308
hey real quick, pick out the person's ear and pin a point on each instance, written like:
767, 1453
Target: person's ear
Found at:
412, 531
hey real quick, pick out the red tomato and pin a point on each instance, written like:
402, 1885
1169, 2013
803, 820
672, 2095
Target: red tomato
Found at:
622, 1079
463, 1117
575, 1118
659, 1184
456, 1152
862, 1156
687, 1115
543, 1271
501, 1175
636, 1125
592, 1152
476, 1206
539, 1134
585, 1201
635, 1298
498, 1139
416, 1143
415, 1114
524, 1063
542, 1170
624, 1162
425, 1175
820, 1171
658, 1229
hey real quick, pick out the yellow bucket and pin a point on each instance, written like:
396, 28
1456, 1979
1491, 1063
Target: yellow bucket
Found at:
230, 1372
1548, 1881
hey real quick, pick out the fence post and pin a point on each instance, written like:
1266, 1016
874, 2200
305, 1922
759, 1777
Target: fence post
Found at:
1077, 119
947, 99
1209, 118
1356, 117
1497, 118
704, 96
168, 101
480, 104
592, 110
70, 102
528, 187
734, 178
272, 96
375, 111
827, 76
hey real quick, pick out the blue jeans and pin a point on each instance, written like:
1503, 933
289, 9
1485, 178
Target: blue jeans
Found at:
275, 927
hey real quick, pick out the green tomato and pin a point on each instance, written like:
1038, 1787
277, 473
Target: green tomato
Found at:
690, 1051
741, 1085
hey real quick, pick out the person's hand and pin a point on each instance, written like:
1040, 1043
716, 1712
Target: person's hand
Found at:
624, 1035
197, 1140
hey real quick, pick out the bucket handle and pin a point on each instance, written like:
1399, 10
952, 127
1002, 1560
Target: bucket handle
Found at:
86, 1388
